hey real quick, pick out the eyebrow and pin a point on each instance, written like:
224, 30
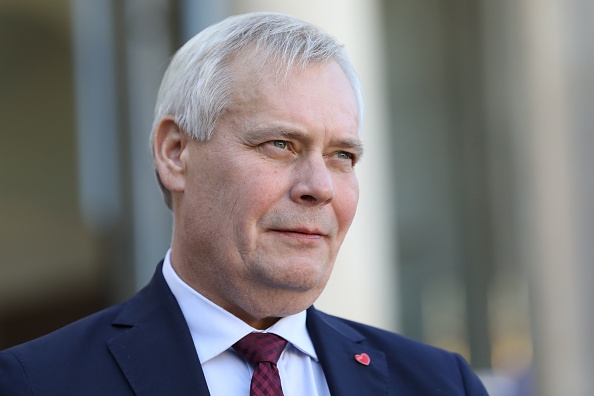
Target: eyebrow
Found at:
282, 131
350, 144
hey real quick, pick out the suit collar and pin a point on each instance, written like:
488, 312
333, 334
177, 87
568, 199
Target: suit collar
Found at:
156, 353
154, 349
337, 345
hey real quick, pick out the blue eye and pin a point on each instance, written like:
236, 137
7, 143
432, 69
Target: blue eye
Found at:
345, 155
282, 144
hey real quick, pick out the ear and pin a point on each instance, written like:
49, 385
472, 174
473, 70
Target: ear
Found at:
169, 144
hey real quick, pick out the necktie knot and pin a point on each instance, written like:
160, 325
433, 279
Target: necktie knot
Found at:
262, 350
260, 347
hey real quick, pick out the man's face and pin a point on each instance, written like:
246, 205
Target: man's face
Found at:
268, 200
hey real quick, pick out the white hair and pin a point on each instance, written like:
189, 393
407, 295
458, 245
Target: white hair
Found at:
196, 87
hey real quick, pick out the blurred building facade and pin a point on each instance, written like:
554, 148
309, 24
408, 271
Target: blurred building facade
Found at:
475, 221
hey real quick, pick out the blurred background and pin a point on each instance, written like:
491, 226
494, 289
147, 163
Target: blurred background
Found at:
475, 230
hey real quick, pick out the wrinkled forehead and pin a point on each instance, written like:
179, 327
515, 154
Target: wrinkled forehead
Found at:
251, 78
256, 65
317, 98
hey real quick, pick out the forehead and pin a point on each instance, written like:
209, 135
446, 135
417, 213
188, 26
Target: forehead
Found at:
320, 91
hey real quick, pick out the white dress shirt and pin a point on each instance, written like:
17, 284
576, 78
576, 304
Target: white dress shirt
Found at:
215, 330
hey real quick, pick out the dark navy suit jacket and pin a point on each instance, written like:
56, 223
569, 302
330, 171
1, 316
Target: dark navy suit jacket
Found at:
143, 347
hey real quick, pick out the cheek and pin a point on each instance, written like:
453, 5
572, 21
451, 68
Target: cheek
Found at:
347, 200
252, 191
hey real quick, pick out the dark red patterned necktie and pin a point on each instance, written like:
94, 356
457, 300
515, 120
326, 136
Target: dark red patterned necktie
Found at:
263, 350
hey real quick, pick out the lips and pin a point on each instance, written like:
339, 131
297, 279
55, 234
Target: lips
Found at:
301, 232
305, 231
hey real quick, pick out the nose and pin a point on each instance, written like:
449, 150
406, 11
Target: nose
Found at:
313, 184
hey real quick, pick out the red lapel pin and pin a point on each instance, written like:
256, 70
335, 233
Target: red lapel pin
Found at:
363, 358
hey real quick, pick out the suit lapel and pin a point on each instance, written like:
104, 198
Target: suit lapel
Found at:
154, 349
337, 345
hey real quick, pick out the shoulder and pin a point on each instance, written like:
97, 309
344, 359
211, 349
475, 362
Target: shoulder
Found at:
411, 364
80, 359
90, 334
382, 339
69, 339
78, 349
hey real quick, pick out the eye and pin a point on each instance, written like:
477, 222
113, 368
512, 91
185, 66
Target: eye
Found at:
345, 155
281, 144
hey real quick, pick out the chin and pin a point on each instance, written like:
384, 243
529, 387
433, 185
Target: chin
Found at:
291, 303
306, 276
298, 295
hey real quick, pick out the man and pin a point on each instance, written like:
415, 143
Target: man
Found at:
255, 142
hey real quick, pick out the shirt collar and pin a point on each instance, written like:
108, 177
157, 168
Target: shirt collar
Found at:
214, 330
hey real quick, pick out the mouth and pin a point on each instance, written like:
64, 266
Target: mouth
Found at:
302, 233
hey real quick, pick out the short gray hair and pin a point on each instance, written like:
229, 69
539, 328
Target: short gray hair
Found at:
196, 87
